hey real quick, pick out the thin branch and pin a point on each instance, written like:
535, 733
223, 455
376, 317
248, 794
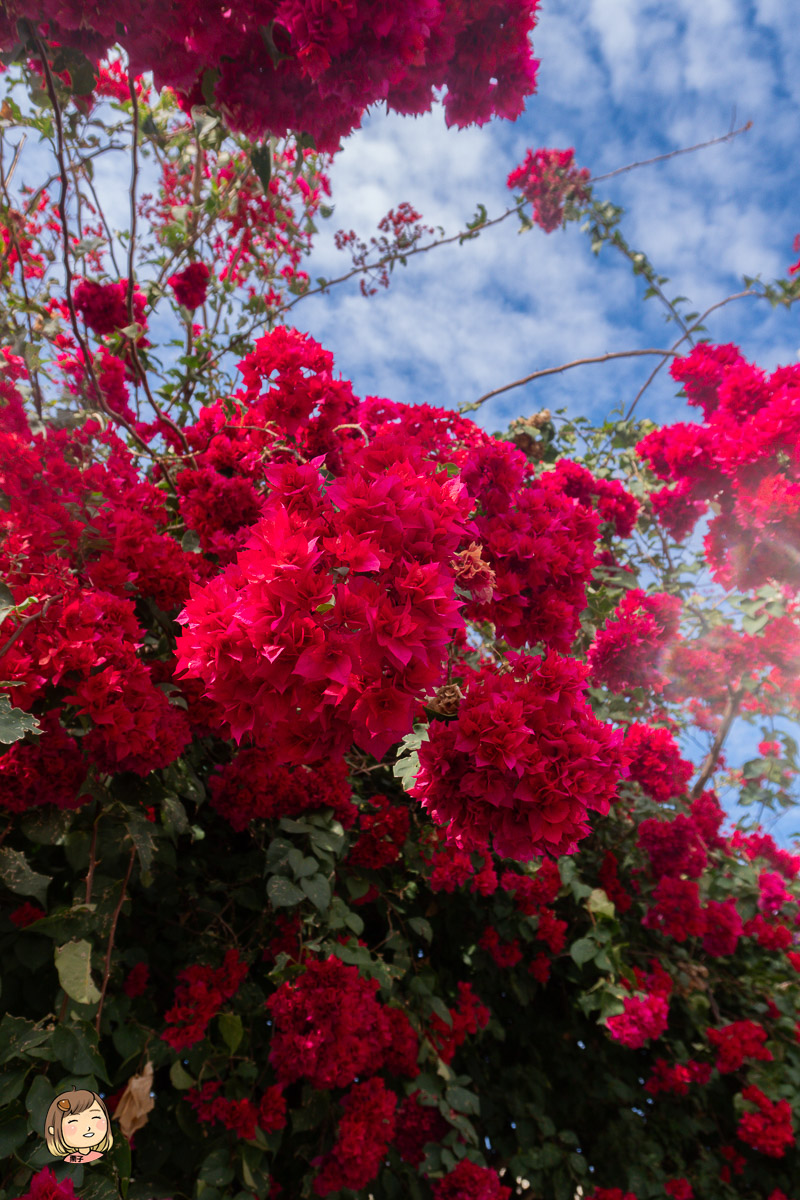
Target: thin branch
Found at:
134, 181
464, 235
62, 213
646, 162
18, 632
92, 861
110, 946
712, 757
578, 362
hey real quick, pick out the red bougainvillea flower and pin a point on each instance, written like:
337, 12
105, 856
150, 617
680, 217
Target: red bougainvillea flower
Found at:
468, 1181
200, 994
724, 927
655, 761
645, 1014
743, 457
547, 179
364, 1133
675, 1078
467, 1018
417, 1124
45, 1186
629, 651
738, 1041
191, 285
523, 763
316, 77
674, 847
104, 306
770, 1128
330, 1028
679, 1189
676, 910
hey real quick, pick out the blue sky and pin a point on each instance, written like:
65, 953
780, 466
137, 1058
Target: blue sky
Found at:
621, 81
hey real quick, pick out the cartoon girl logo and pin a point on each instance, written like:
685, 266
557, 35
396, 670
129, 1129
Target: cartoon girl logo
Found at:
78, 1127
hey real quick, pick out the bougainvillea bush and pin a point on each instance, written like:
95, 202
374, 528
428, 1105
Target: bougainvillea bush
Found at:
349, 844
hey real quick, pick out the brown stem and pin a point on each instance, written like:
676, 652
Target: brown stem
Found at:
18, 632
726, 137
92, 860
712, 757
578, 362
110, 946
134, 180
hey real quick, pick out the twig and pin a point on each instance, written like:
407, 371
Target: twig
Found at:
62, 213
578, 362
18, 632
646, 162
110, 946
15, 160
134, 181
713, 755
465, 234
92, 854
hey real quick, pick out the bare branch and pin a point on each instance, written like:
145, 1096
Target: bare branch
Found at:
646, 162
578, 362
110, 946
712, 757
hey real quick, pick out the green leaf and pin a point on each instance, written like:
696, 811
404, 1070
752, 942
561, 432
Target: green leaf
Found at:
75, 1046
583, 950
318, 891
74, 966
282, 892
14, 723
19, 878
463, 1101
261, 159
216, 1169
190, 542
13, 1132
422, 928
232, 1030
11, 1084
142, 836
179, 1078
599, 902
39, 1098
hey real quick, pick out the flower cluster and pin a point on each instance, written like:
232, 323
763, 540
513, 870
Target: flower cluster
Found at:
339, 609
199, 996
314, 68
538, 541
743, 458
739, 1041
547, 180
467, 1018
674, 847
629, 651
523, 763
675, 1078
468, 1181
364, 1133
645, 1015
655, 762
252, 787
104, 306
770, 1128
191, 285
330, 1028
417, 1124
383, 833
